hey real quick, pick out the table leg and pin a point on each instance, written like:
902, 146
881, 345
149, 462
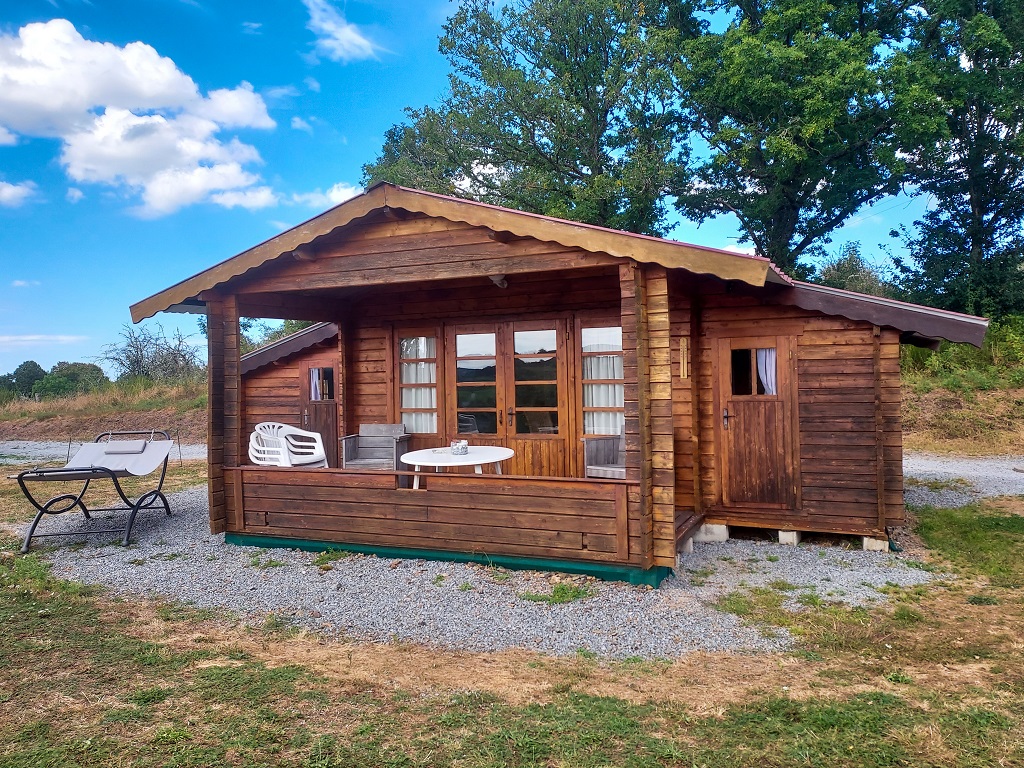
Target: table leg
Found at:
416, 479
497, 467
478, 469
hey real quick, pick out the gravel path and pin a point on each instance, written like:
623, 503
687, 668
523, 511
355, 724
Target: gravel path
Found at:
45, 452
473, 607
467, 606
959, 480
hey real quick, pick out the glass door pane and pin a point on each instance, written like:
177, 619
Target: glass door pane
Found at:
476, 384
535, 370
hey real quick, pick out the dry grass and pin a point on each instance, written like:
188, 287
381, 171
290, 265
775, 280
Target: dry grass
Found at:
969, 424
181, 409
15, 510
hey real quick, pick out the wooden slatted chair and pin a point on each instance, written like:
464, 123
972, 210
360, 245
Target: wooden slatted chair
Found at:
377, 446
605, 457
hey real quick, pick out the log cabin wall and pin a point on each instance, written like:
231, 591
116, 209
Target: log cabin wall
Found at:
847, 410
278, 392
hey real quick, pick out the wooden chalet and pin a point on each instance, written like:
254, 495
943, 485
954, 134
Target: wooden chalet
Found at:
743, 397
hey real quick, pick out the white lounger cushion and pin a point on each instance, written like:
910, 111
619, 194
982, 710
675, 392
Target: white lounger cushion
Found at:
93, 455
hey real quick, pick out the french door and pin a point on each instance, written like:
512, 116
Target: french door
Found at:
507, 385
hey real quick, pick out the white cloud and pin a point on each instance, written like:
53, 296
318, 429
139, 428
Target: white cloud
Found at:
312, 84
252, 27
12, 342
256, 197
336, 38
74, 194
281, 92
127, 117
13, 195
301, 125
336, 195
24, 283
7, 138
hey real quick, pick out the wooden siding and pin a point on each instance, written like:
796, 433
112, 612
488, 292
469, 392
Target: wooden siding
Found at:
497, 515
846, 444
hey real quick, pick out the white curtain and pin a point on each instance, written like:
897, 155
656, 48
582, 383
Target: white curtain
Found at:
604, 395
314, 384
420, 396
766, 370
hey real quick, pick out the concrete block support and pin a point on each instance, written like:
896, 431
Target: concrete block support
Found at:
711, 532
789, 538
875, 545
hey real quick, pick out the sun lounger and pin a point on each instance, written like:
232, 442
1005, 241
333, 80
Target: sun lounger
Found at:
111, 456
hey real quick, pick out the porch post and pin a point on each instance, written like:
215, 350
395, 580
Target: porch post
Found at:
637, 430
215, 410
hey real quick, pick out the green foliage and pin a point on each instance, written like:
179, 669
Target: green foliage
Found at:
998, 363
797, 103
849, 271
24, 377
554, 108
968, 251
68, 379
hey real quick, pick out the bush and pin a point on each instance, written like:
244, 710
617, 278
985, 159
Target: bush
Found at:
999, 362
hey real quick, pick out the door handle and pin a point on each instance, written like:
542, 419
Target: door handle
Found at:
725, 419
511, 413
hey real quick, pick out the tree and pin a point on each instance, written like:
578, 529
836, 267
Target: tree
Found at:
66, 379
555, 108
148, 352
849, 271
25, 376
798, 103
968, 251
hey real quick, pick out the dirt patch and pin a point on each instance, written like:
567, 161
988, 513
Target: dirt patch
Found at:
185, 426
705, 683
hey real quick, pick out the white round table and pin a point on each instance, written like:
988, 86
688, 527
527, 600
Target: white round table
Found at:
477, 456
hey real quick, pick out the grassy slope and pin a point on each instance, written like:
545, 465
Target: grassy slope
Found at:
179, 409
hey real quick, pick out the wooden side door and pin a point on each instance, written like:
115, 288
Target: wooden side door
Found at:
755, 422
536, 396
320, 409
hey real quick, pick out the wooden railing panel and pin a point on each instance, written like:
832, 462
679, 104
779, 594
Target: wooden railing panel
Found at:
556, 518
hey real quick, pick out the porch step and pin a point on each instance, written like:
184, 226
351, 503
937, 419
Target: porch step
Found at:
685, 531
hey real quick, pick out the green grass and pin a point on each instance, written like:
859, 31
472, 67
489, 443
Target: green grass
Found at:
560, 593
199, 702
329, 556
978, 539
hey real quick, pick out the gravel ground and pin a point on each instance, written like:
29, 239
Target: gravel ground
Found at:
959, 480
45, 452
466, 606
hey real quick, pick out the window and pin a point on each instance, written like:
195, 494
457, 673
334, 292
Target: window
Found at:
753, 371
603, 381
321, 384
418, 383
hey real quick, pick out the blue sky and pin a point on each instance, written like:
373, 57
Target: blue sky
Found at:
141, 142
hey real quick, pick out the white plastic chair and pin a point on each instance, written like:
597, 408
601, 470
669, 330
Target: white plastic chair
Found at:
283, 445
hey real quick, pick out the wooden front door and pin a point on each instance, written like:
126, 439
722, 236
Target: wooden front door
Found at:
508, 387
755, 422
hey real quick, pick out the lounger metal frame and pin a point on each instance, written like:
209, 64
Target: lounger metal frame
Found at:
66, 502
